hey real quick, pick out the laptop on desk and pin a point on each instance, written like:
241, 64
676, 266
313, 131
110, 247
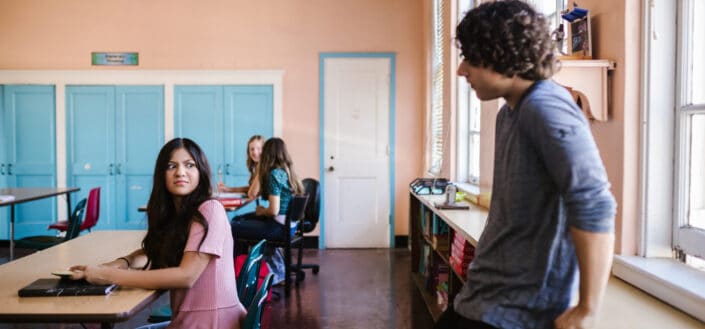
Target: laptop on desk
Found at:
64, 287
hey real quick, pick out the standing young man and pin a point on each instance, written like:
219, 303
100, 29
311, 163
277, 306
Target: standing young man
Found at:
551, 211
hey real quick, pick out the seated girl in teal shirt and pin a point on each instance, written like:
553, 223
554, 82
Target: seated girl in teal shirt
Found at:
278, 183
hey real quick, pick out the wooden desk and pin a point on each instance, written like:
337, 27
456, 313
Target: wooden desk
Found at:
94, 248
30, 194
143, 208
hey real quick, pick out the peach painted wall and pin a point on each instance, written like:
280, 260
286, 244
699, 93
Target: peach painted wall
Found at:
238, 35
616, 36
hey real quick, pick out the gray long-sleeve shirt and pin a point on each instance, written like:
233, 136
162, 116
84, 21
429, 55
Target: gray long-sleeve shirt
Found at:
548, 176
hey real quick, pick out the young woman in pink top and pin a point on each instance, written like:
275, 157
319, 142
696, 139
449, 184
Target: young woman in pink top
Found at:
188, 248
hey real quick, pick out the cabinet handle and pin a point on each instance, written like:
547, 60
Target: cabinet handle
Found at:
2, 169
227, 169
110, 169
9, 168
119, 170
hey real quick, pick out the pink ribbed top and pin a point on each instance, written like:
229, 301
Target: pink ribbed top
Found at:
212, 301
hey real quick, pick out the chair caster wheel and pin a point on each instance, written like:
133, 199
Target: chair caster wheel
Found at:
315, 270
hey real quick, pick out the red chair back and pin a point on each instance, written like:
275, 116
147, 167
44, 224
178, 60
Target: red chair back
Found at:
92, 209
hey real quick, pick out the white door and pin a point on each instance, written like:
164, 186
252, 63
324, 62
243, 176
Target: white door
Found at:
356, 152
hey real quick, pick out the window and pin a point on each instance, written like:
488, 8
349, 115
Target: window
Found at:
468, 105
468, 115
436, 116
689, 222
551, 9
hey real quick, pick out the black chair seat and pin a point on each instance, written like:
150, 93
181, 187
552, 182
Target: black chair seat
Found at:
40, 242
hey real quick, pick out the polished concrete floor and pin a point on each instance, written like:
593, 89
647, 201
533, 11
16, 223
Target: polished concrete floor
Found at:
368, 288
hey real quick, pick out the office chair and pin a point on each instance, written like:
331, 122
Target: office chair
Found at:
311, 186
92, 213
286, 238
41, 242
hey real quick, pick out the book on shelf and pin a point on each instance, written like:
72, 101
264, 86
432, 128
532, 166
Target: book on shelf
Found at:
440, 242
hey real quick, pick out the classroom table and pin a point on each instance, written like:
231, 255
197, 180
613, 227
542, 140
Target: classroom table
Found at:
230, 201
26, 194
94, 248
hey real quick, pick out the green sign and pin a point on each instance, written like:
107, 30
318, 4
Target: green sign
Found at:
115, 58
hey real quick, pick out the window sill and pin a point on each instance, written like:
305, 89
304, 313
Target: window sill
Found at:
673, 282
468, 188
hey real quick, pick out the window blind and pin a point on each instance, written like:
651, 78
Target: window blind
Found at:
436, 117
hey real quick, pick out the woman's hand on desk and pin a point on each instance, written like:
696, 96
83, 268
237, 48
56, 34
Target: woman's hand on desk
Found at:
93, 274
222, 187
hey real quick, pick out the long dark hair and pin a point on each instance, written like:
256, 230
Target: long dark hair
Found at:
274, 155
251, 165
168, 227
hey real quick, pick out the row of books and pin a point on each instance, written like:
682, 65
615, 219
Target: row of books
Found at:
461, 254
430, 225
437, 276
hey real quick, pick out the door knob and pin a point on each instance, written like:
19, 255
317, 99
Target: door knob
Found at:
331, 168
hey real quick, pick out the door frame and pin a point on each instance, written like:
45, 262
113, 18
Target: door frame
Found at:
321, 134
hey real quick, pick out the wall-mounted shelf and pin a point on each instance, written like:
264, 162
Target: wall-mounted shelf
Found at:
590, 78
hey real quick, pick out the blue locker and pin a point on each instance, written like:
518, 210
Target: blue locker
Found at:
113, 136
4, 211
221, 120
29, 152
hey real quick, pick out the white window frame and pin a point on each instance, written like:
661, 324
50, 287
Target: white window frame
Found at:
464, 114
655, 269
686, 239
435, 118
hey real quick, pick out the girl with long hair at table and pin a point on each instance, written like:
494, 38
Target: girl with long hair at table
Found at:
187, 248
254, 150
278, 183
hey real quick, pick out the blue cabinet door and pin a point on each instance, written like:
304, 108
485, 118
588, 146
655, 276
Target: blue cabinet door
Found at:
4, 211
140, 136
198, 115
113, 136
30, 152
248, 111
90, 151
221, 119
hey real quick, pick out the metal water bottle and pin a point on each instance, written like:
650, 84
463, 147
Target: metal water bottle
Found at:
450, 193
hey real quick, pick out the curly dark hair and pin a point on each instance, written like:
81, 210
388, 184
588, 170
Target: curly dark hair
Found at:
168, 227
509, 37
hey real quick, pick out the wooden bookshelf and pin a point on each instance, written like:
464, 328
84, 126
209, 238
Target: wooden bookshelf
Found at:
468, 223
